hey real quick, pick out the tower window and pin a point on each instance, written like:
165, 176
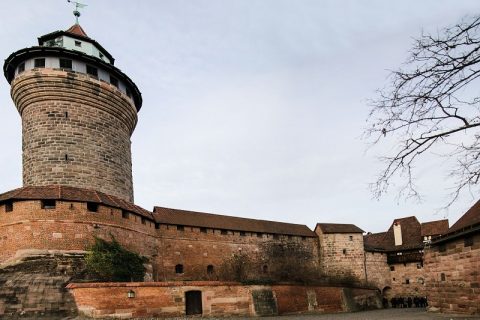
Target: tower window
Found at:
242, 233
350, 238
144, 221
48, 204
128, 92
125, 214
39, 63
442, 277
179, 268
180, 228
78, 44
468, 241
224, 232
203, 230
210, 269
92, 71
259, 235
65, 63
92, 206
9, 206
344, 251
392, 268
114, 81
407, 281
21, 67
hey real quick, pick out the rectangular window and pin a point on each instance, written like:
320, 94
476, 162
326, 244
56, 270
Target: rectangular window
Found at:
468, 241
65, 63
392, 268
350, 238
344, 251
259, 235
157, 225
442, 277
21, 67
92, 206
203, 230
114, 81
144, 221
39, 63
224, 232
180, 228
242, 233
125, 214
9, 206
48, 204
407, 281
92, 71
78, 44
304, 238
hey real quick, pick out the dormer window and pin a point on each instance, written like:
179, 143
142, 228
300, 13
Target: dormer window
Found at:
21, 67
39, 63
78, 44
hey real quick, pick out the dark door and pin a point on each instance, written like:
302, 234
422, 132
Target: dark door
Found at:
193, 302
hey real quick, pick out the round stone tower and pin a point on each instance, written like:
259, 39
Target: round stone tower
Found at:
78, 113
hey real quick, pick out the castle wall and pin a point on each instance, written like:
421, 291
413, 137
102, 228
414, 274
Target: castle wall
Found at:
407, 279
452, 272
342, 255
378, 271
76, 131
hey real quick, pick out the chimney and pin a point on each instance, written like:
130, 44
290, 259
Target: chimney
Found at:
397, 233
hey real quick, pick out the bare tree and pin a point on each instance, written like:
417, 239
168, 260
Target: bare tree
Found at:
431, 106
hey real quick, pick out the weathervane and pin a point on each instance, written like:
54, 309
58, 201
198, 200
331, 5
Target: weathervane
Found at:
78, 5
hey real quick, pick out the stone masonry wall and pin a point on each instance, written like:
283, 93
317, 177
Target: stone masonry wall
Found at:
378, 271
76, 131
342, 255
411, 271
452, 272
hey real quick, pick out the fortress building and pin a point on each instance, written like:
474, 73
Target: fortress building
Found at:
78, 113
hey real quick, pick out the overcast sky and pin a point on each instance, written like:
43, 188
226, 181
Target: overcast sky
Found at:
251, 108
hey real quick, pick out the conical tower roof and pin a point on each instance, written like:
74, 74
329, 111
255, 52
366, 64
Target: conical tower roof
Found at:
76, 29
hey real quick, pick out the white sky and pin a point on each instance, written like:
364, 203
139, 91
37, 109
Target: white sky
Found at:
252, 108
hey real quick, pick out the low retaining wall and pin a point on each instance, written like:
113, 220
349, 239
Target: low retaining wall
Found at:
173, 299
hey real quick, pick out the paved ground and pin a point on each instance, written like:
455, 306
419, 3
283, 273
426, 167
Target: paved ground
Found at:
389, 314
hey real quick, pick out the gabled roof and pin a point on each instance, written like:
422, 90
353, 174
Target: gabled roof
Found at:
55, 192
338, 228
434, 228
215, 221
470, 218
374, 241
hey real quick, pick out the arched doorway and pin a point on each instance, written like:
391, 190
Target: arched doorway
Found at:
193, 302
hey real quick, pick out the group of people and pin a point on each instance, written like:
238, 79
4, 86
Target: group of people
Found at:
401, 302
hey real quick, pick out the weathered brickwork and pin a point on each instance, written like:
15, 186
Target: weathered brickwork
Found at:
342, 255
452, 270
218, 299
378, 271
76, 131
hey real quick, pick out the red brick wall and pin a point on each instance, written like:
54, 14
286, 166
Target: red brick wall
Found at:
218, 299
458, 290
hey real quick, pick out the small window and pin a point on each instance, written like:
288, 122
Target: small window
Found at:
407, 281
203, 230
180, 228
114, 81
259, 235
443, 277
210, 269
39, 63
442, 248
393, 279
179, 268
125, 214
157, 225
468, 241
92, 206
265, 268
9, 206
242, 233
144, 221
350, 238
92, 71
224, 232
48, 204
78, 44
344, 251
304, 238
392, 268
21, 67
65, 63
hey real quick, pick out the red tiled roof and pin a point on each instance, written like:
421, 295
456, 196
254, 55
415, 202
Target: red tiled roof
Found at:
338, 228
434, 228
470, 218
56, 192
215, 221
76, 29
374, 240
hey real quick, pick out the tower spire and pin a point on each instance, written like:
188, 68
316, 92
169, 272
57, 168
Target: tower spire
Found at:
78, 6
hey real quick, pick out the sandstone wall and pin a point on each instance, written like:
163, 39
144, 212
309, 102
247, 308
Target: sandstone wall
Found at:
407, 279
342, 255
452, 272
378, 271
76, 131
